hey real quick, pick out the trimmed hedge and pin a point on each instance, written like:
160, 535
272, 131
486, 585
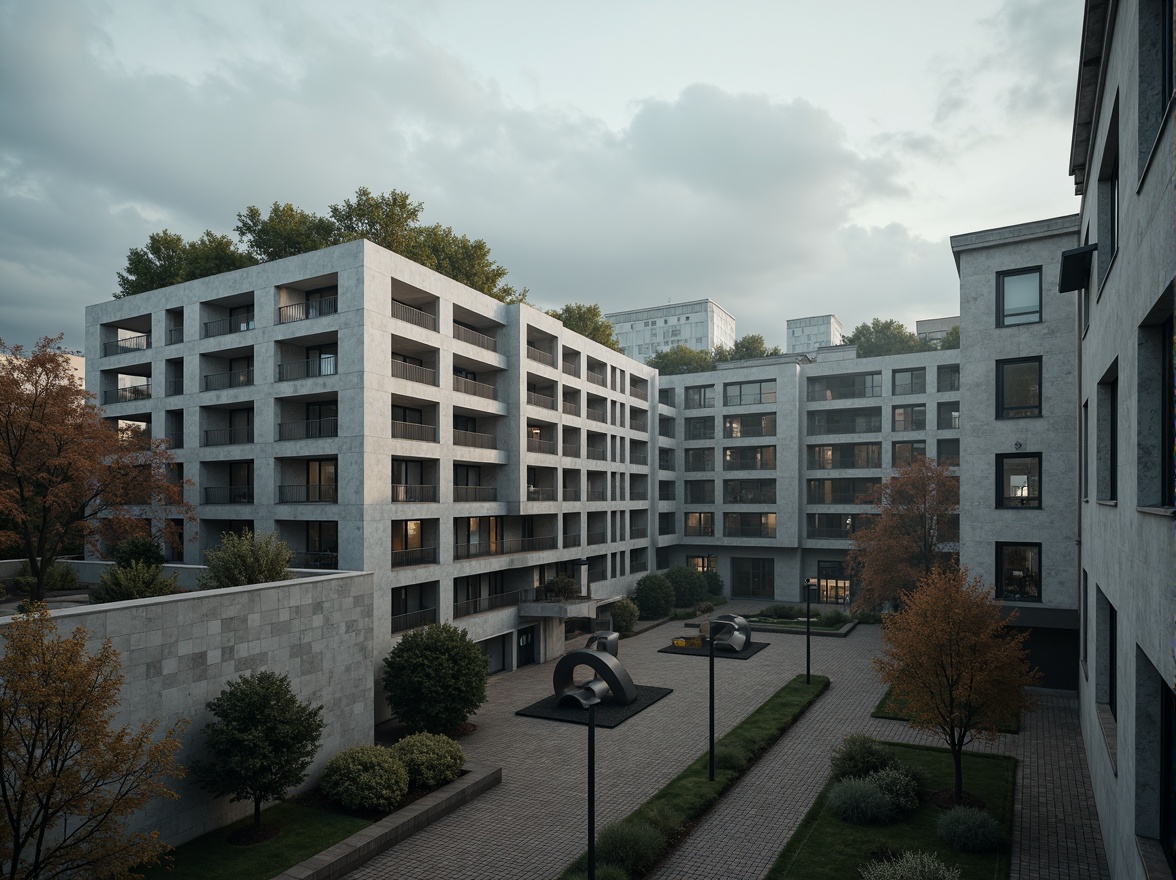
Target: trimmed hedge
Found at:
365, 778
624, 615
431, 759
135, 580
689, 586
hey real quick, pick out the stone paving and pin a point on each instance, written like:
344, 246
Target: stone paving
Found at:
534, 823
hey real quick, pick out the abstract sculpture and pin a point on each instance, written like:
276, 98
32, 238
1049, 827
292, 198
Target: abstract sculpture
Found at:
730, 632
611, 684
604, 641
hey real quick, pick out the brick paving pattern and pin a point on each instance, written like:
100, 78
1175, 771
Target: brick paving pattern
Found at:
534, 823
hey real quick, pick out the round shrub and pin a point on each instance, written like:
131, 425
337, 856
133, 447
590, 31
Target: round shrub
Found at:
138, 550
898, 784
135, 580
633, 845
969, 830
624, 615
435, 678
859, 755
714, 583
432, 760
563, 588
689, 586
912, 865
860, 803
654, 596
245, 558
365, 778
703, 608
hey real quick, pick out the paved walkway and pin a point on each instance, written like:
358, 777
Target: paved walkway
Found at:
533, 824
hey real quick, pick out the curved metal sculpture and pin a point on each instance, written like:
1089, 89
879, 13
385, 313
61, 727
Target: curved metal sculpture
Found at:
604, 641
612, 683
730, 632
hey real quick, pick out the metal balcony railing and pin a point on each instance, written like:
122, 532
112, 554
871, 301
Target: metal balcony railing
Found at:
504, 547
413, 431
411, 315
751, 532
639, 495
543, 400
571, 450
413, 619
473, 438
597, 454
313, 493
478, 389
175, 335
639, 424
490, 603
538, 354
228, 494
126, 345
638, 457
231, 379
127, 394
638, 533
639, 393
474, 338
325, 365
547, 447
596, 495
475, 493
316, 559
224, 326
572, 540
405, 493
541, 493
413, 373
228, 436
305, 310
597, 379
597, 538
832, 534
597, 415
175, 439
418, 556
571, 368
570, 408
571, 493
308, 430
173, 387
636, 565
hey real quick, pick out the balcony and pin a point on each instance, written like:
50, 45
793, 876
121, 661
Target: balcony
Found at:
228, 494
572, 540
126, 345
309, 430
597, 415
231, 379
413, 373
598, 379
571, 368
473, 337
308, 494
417, 556
597, 454
639, 423
175, 439
128, 394
327, 365
228, 436
404, 493
751, 532
639, 393
828, 534
305, 310
490, 603
174, 387
175, 335
409, 315
638, 533
639, 495
597, 538
225, 326
596, 495
536, 399
639, 457
504, 547
413, 431
539, 355
328, 559
571, 450
475, 439
535, 493
570, 408
571, 493
546, 447
478, 389
414, 619
475, 493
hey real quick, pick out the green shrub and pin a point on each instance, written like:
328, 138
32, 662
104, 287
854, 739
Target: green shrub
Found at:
435, 678
730, 758
833, 618
859, 755
868, 617
58, 576
431, 759
860, 802
911, 865
703, 608
689, 586
898, 784
663, 817
245, 559
365, 778
632, 844
138, 550
654, 596
781, 612
970, 830
136, 580
624, 615
562, 587
714, 583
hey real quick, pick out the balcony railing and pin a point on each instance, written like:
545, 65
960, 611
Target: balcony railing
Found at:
638, 532
305, 310
413, 431
833, 534
473, 337
639, 424
597, 415
571, 493
637, 565
598, 379
407, 494
596, 494
572, 540
751, 532
639, 393
316, 559
538, 354
597, 538
411, 315
224, 326
478, 389
597, 454
127, 393
309, 430
228, 436
638, 457
326, 365
127, 344
490, 603
175, 439
231, 379
571, 450
501, 548
542, 493
174, 387
417, 556
175, 335
414, 619
413, 373
639, 495
308, 494
228, 494
475, 493
547, 447
570, 408
536, 399
473, 438
571, 368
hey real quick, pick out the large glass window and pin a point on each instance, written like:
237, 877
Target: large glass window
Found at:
833, 582
700, 459
1018, 297
1018, 388
758, 425
749, 492
948, 417
844, 387
753, 578
845, 421
700, 396
701, 563
665, 524
749, 393
947, 452
700, 428
904, 452
748, 458
910, 418
700, 524
1018, 480
841, 491
1018, 572
700, 491
845, 455
836, 526
948, 378
749, 525
913, 381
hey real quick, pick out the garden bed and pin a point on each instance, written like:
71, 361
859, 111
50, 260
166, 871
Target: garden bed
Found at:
893, 709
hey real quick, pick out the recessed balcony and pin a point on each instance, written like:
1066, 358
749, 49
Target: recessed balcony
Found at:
313, 493
309, 430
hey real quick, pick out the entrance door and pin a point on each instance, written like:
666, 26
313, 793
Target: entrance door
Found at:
526, 652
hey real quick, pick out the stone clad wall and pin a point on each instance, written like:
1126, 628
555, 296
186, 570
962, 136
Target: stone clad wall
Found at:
178, 652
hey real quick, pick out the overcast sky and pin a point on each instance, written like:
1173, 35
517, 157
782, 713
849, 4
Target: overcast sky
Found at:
783, 159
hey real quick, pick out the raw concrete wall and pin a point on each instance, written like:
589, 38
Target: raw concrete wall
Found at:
178, 652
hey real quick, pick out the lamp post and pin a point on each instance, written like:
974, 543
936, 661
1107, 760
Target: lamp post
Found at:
589, 700
809, 583
722, 630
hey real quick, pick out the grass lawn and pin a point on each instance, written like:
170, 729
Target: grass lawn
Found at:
306, 831
825, 848
889, 707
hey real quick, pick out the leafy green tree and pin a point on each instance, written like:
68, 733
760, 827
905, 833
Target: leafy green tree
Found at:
884, 337
159, 264
387, 219
951, 339
654, 596
681, 359
689, 586
588, 320
435, 678
285, 232
245, 558
465, 260
262, 742
212, 254
746, 348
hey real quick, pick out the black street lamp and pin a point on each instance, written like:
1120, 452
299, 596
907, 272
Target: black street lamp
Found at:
725, 630
589, 700
809, 584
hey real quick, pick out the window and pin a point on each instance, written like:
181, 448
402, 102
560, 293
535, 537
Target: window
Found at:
1018, 480
700, 524
913, 381
910, 418
833, 583
1018, 388
753, 578
700, 491
845, 421
904, 452
845, 455
1018, 297
1018, 572
759, 425
948, 378
947, 452
700, 459
665, 459
836, 526
1155, 452
701, 563
665, 524
749, 525
416, 416
1167, 750
1107, 435
322, 537
1106, 637
844, 387
407, 534
700, 428
842, 491
748, 458
749, 491
1156, 73
1084, 443
948, 417
321, 480
700, 397
749, 393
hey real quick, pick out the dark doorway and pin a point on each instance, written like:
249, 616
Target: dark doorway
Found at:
526, 652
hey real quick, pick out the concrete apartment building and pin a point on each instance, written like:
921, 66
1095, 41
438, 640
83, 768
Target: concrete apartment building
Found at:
1121, 279
806, 335
701, 325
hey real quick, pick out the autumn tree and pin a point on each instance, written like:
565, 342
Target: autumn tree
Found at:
880, 337
957, 668
746, 348
68, 473
681, 359
917, 526
69, 780
588, 320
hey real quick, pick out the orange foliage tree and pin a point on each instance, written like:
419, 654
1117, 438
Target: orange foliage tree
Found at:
66, 472
957, 669
68, 780
917, 527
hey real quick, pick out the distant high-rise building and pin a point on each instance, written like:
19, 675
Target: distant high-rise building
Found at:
934, 329
809, 334
701, 325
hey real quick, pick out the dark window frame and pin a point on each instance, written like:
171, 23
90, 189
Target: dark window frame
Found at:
1003, 411
1025, 594
1001, 499
1002, 313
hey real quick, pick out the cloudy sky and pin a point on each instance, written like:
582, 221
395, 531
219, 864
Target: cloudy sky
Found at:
783, 159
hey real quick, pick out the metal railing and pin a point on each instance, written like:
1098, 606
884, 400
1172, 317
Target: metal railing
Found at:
506, 546
636, 565
536, 399
411, 315
406, 493
175, 335
639, 393
597, 415
749, 463
473, 438
638, 533
414, 619
413, 431
224, 326
478, 389
572, 540
639, 423
316, 559
835, 534
173, 387
228, 436
597, 454
638, 457
749, 431
571, 493
538, 354
547, 447
750, 532
473, 337
413, 373
127, 344
597, 379
596, 494
127, 393
666, 493
542, 493
475, 493
417, 556
571, 368
175, 439
639, 495
571, 408
571, 450
304, 310
326, 365
313, 493
597, 538
309, 430
228, 494
490, 603
231, 379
